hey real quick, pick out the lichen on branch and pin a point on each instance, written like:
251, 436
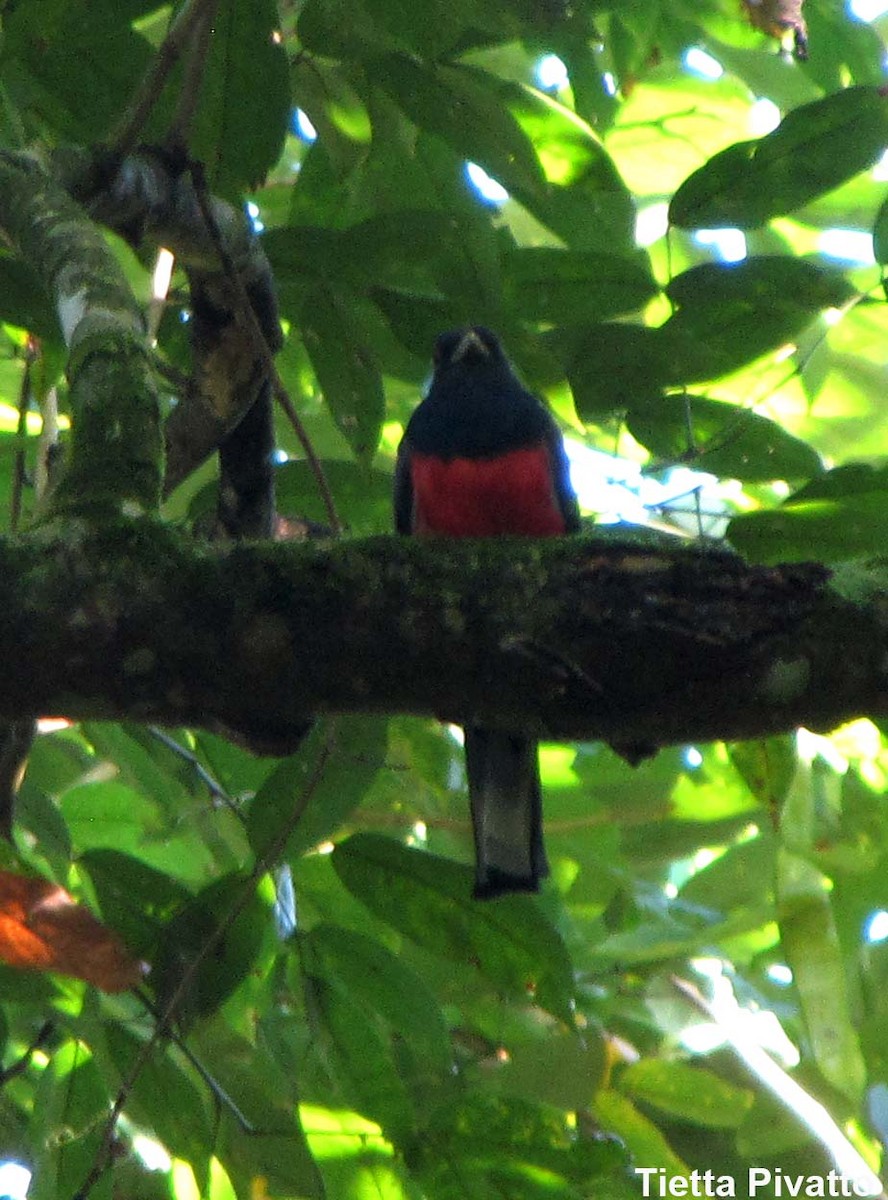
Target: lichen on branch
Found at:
115, 454
587, 638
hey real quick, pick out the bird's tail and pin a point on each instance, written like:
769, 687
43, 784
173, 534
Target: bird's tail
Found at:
504, 793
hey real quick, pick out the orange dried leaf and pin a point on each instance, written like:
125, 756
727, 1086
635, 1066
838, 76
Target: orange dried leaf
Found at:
42, 928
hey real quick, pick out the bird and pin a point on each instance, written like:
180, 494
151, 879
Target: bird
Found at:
481, 457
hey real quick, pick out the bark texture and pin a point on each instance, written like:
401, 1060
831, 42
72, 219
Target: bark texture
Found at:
595, 637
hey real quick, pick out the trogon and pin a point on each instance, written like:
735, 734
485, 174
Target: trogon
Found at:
481, 456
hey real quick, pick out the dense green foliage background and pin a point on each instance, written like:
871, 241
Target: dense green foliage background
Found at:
397, 1039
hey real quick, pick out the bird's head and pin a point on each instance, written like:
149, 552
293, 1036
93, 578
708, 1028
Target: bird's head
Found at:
471, 345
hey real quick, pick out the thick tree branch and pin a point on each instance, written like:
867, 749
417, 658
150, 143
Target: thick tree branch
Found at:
149, 197
115, 459
580, 638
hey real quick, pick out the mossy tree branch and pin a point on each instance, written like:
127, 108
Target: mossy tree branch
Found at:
149, 198
585, 638
115, 459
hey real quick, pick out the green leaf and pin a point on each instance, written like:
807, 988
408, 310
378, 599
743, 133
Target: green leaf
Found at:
842, 48
41, 42
880, 235
416, 320
613, 366
738, 311
273, 1145
726, 320
767, 766
641, 1136
342, 29
336, 110
70, 1097
564, 1070
567, 286
225, 967
346, 368
363, 497
162, 1096
142, 763
760, 283
814, 149
730, 441
135, 900
358, 1057
689, 1093
652, 942
24, 303
376, 979
813, 954
507, 1147
743, 875
460, 105
240, 127
828, 531
109, 814
431, 28
428, 899
850, 479
357, 751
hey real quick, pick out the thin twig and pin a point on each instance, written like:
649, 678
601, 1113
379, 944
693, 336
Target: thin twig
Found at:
219, 1093
104, 1154
283, 399
192, 81
21, 1064
213, 786
246, 313
126, 135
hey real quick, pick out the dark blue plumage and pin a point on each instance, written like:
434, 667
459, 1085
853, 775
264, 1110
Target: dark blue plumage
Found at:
481, 456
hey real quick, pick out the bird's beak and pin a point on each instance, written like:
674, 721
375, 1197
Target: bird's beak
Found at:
469, 342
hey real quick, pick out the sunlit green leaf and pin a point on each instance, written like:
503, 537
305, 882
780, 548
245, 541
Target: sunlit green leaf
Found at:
359, 1058
271, 1144
645, 1142
135, 900
743, 875
458, 104
689, 1093
814, 149
565, 1071
163, 1097
809, 941
731, 442
518, 1149
71, 1096
767, 767
826, 530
